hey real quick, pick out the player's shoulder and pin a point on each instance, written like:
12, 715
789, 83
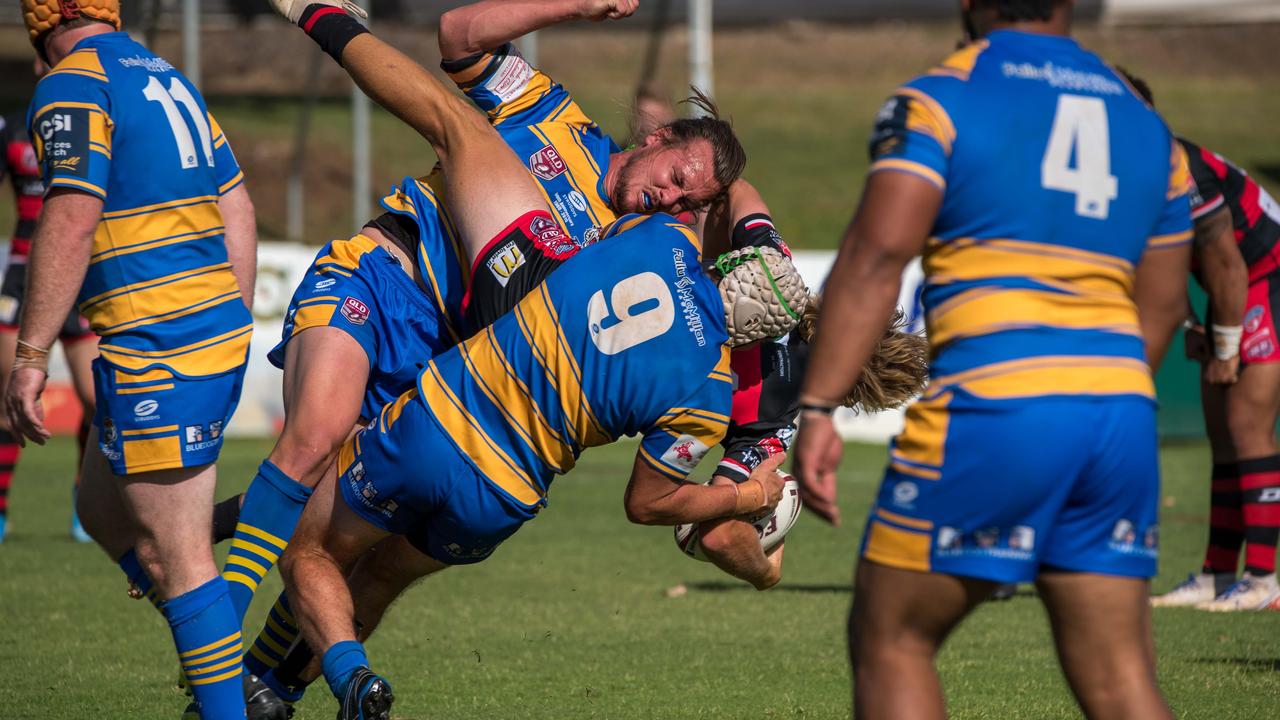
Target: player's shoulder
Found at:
75, 79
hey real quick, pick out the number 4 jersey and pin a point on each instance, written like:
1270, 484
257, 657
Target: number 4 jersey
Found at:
117, 122
1057, 179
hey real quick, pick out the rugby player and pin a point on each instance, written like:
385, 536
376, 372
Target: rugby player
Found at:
18, 161
1051, 205
407, 287
1237, 227
147, 209
570, 367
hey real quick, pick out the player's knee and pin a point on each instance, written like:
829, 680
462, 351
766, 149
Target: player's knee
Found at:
305, 449
1251, 435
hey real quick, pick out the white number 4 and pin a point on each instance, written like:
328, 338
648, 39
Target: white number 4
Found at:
1081, 124
156, 92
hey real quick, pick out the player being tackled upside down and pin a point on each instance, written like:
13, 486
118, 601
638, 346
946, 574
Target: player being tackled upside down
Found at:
629, 337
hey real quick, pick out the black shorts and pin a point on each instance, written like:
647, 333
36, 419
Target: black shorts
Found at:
12, 292
513, 264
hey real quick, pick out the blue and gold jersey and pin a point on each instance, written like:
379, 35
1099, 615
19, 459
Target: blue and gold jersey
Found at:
562, 148
118, 122
626, 339
1057, 178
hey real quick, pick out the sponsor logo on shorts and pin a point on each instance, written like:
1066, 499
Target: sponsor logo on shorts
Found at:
357, 471
1151, 538
547, 164
1269, 495
355, 311
1022, 537
215, 429
1123, 533
326, 283
1259, 346
505, 262
550, 239
147, 410
1253, 318
195, 434
905, 494
685, 453
987, 537
1124, 539
458, 551
949, 539
369, 492
201, 437
109, 434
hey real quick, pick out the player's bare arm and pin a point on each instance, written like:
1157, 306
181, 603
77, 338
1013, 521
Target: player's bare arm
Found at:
486, 25
1226, 278
59, 258
655, 499
242, 238
1160, 292
889, 229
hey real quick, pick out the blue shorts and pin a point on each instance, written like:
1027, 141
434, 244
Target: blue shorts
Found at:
404, 475
156, 420
358, 287
998, 489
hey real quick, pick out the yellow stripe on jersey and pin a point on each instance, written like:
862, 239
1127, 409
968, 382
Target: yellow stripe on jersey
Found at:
659, 465
224, 187
1180, 180
212, 356
150, 431
925, 115
960, 64
987, 310
431, 187
969, 259
81, 62
581, 169
163, 298
129, 231
540, 324
909, 166
539, 85
462, 427
1055, 375
689, 235
392, 411
1160, 242
348, 253
489, 368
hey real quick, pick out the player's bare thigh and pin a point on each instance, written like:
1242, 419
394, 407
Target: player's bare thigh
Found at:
325, 373
1240, 418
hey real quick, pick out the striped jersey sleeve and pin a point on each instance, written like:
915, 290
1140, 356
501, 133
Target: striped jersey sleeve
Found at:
1174, 226
226, 168
512, 92
70, 126
681, 437
913, 134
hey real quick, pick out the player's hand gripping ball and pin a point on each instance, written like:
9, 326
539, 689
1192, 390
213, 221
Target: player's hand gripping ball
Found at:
771, 527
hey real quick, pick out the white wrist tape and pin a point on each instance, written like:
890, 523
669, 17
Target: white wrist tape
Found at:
1226, 341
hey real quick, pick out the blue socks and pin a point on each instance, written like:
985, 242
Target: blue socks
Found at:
137, 576
272, 506
273, 643
206, 632
340, 662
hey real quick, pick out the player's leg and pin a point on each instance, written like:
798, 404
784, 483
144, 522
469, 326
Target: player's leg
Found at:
1251, 408
899, 620
325, 372
1102, 628
80, 350
1226, 512
329, 539
488, 187
10, 450
170, 509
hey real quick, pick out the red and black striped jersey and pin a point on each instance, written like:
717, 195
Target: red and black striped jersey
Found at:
1254, 214
18, 162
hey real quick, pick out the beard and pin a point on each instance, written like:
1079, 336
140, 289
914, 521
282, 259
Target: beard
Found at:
624, 188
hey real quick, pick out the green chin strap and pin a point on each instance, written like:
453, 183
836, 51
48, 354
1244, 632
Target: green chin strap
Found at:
725, 265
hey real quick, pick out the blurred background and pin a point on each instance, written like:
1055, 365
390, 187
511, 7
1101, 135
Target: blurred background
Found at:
801, 81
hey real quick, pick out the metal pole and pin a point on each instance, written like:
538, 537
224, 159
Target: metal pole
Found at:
361, 154
528, 47
191, 41
700, 71
294, 198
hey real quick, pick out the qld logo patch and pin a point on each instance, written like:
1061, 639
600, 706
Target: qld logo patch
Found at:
355, 311
547, 164
1253, 319
550, 239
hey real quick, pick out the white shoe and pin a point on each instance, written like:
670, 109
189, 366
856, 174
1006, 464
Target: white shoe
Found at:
1251, 592
1197, 589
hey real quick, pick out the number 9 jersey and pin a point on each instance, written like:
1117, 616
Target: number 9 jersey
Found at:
115, 121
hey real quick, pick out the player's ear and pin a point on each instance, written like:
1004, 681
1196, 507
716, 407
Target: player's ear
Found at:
661, 135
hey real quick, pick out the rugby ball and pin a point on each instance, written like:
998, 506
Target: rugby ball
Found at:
771, 528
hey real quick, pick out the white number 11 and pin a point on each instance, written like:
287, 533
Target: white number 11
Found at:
156, 92
1081, 123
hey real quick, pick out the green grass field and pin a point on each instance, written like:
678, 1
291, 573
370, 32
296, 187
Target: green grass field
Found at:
570, 620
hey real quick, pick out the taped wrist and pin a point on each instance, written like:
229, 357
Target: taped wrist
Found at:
331, 27
750, 498
31, 356
757, 230
1226, 341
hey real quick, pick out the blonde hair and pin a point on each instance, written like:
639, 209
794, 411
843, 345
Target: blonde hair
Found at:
897, 370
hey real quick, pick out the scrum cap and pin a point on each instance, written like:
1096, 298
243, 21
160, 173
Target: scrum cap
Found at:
41, 16
763, 294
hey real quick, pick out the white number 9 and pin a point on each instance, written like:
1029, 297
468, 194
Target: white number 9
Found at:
640, 308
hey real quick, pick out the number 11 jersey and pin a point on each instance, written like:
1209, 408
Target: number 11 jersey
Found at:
1057, 178
117, 122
